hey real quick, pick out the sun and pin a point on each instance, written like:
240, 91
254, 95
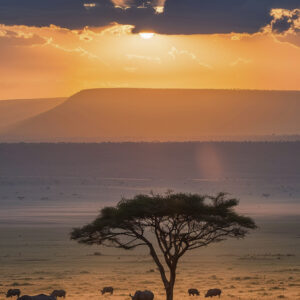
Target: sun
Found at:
146, 35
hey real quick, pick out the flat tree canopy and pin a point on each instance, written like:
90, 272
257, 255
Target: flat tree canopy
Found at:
179, 222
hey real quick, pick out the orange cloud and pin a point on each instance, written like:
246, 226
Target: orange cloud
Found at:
55, 61
174, 53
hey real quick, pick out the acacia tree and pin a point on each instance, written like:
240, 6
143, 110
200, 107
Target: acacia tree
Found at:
177, 222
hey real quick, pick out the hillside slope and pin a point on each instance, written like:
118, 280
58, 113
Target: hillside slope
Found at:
13, 111
162, 115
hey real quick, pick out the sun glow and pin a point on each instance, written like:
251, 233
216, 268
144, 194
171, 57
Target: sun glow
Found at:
146, 35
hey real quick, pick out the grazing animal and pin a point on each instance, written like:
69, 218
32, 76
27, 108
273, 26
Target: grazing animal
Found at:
193, 292
107, 289
37, 297
25, 297
142, 295
213, 292
58, 293
13, 292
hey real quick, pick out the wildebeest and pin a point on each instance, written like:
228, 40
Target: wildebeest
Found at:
107, 289
142, 295
58, 293
13, 292
193, 292
37, 297
213, 292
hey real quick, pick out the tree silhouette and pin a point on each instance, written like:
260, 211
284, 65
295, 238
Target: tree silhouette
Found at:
178, 223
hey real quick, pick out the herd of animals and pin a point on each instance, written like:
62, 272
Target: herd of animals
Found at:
139, 295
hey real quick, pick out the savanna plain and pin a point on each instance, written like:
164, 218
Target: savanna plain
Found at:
46, 189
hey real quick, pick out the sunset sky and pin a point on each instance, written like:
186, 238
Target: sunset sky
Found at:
58, 47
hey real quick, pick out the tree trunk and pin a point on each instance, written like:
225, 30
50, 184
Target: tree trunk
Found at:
169, 284
170, 287
169, 293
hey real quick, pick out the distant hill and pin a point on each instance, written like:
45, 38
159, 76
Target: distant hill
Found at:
163, 115
13, 111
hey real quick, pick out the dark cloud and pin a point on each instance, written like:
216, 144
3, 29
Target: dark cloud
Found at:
281, 25
66, 13
179, 17
285, 22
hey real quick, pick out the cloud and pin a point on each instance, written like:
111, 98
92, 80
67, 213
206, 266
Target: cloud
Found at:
17, 38
285, 26
53, 61
285, 20
174, 53
161, 16
240, 61
121, 3
217, 16
143, 57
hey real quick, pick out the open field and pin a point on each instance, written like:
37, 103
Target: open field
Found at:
68, 183
46, 189
264, 266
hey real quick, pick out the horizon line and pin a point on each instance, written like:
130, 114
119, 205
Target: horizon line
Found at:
151, 88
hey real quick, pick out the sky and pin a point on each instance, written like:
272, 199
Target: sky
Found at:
52, 48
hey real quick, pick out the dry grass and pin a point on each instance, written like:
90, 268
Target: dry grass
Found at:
83, 278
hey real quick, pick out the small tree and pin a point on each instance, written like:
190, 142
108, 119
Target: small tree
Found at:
178, 223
